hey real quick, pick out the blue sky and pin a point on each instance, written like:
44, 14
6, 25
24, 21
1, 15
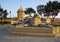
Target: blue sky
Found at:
14, 5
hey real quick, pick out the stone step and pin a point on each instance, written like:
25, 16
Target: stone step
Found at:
34, 30
33, 34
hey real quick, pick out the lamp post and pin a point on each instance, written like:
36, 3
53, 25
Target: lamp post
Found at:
10, 14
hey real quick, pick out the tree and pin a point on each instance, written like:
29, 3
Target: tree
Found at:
41, 9
3, 13
29, 11
52, 9
48, 9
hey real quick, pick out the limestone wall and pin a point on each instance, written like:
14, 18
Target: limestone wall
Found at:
38, 31
56, 31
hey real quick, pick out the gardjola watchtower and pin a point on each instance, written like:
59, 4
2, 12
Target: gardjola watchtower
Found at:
21, 14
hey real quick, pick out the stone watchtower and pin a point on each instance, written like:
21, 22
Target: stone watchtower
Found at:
21, 14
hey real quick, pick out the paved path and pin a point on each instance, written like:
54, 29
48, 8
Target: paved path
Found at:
6, 37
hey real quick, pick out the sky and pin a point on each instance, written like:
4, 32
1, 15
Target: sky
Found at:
14, 5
